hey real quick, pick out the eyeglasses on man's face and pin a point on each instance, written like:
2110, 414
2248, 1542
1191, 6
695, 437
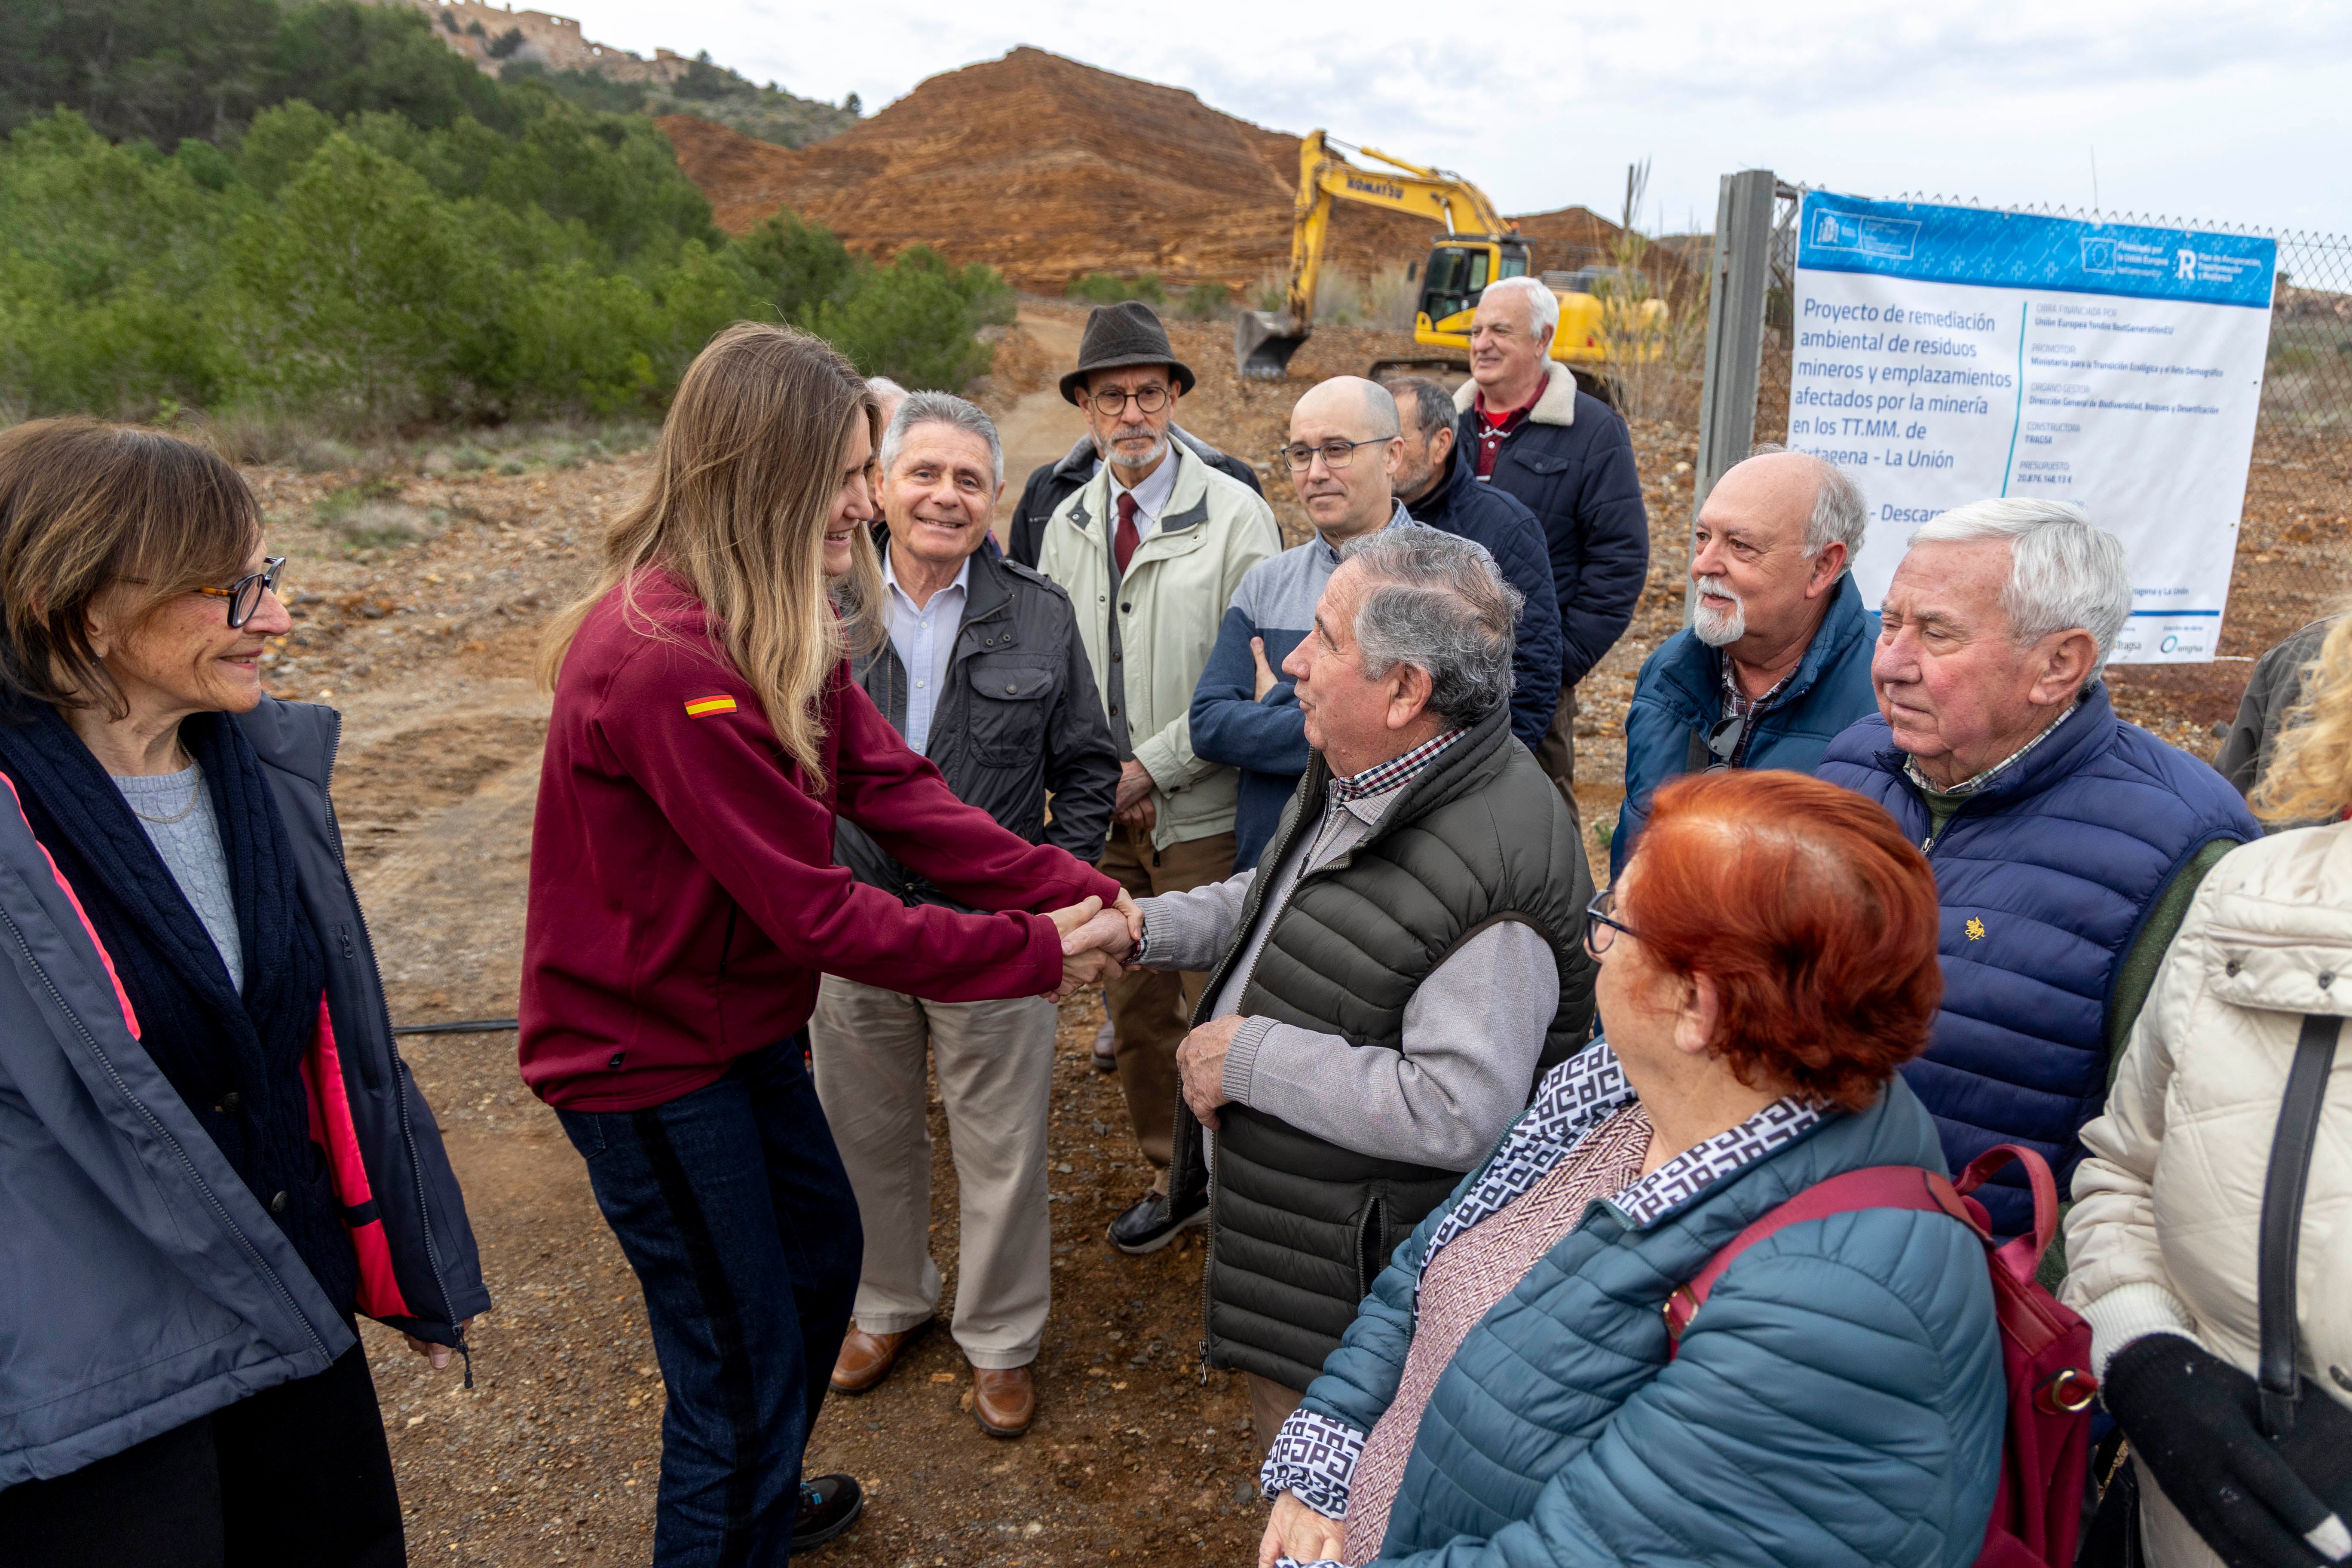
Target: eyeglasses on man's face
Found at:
1601, 927
244, 595
1334, 454
1111, 400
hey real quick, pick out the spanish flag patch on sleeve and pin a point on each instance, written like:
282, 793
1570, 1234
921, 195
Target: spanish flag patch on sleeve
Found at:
704, 707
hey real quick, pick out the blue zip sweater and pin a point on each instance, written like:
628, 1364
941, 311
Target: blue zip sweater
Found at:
1838, 1401
2045, 878
1678, 698
1495, 518
1267, 742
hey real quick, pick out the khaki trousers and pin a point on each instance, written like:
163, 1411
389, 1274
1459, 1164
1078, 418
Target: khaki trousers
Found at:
1150, 1010
1271, 1403
1556, 755
995, 1066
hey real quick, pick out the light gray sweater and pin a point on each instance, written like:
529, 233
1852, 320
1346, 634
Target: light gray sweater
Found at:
191, 848
1472, 1033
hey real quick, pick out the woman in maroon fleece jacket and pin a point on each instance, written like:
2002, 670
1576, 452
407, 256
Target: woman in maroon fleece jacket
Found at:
683, 900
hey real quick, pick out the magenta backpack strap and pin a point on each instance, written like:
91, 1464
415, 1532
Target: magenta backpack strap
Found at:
1874, 1187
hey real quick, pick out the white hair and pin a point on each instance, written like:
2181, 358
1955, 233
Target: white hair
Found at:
883, 386
941, 408
1840, 514
2063, 572
1543, 305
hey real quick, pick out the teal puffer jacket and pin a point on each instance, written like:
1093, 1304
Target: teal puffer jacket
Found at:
1838, 1400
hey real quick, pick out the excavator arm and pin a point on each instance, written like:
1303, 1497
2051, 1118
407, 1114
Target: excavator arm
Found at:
1265, 340
1325, 175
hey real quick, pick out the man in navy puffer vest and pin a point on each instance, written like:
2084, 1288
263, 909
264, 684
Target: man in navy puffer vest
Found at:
2066, 843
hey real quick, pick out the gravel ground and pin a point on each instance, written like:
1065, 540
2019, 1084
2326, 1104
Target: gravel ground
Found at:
420, 596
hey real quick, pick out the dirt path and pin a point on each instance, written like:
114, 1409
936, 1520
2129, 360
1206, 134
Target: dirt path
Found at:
1040, 427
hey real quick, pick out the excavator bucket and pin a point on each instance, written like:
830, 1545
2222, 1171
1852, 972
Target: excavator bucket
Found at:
1264, 342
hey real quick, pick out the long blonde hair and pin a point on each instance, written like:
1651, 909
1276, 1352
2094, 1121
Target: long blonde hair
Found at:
2310, 775
750, 460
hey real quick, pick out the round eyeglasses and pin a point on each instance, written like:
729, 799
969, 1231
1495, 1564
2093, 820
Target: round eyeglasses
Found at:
1112, 400
1599, 928
244, 595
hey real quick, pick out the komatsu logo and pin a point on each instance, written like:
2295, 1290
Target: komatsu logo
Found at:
1388, 188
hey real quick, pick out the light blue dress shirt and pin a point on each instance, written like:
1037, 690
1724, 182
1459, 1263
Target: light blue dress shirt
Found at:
924, 637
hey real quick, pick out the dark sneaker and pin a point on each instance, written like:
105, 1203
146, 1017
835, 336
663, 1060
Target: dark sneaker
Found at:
1106, 1058
1151, 1225
829, 1505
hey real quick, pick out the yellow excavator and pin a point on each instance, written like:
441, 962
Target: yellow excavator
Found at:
1480, 247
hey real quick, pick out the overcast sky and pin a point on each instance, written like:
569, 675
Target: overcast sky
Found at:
2220, 110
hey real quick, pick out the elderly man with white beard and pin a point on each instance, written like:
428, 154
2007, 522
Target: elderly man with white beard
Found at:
1776, 659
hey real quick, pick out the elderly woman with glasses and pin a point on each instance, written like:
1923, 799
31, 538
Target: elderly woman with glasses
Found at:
1510, 1393
211, 1158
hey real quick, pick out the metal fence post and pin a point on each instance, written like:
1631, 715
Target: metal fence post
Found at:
1734, 330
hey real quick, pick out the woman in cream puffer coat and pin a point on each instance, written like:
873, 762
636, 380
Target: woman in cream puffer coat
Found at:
2162, 1239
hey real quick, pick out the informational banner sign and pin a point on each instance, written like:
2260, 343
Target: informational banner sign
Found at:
1947, 354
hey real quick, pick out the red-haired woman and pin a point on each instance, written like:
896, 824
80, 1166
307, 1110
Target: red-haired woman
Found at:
1508, 1392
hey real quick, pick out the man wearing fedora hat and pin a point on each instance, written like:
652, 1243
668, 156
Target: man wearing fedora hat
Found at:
1051, 484
1150, 549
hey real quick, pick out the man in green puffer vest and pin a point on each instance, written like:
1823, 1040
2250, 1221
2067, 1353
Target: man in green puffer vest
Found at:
1388, 982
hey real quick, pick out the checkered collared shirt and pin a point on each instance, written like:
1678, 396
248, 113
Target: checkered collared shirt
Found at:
1967, 787
1737, 704
1387, 776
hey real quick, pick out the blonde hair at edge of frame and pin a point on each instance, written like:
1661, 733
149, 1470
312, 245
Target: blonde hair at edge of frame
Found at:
2310, 775
750, 460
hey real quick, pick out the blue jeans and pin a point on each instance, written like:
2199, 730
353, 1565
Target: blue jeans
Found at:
731, 1206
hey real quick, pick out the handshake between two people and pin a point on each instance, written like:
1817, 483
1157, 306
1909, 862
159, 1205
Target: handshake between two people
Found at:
1099, 943
1095, 939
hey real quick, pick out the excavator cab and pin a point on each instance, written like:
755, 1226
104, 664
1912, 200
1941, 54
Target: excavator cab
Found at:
1458, 271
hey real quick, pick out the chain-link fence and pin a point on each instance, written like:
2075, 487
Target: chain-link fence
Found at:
2307, 376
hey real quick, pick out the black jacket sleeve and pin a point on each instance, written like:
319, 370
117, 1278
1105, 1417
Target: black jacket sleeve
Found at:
1081, 762
2275, 686
1027, 536
1226, 463
1613, 528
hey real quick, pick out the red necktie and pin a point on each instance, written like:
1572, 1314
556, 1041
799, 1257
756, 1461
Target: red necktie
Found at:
1124, 541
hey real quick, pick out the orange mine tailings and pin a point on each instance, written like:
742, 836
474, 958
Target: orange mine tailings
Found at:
1047, 170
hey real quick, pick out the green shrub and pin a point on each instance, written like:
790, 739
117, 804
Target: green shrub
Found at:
1104, 289
360, 296
402, 239
1206, 301
798, 265
911, 321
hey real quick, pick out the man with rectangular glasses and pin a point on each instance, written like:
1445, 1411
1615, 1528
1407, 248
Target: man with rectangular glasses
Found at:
1343, 448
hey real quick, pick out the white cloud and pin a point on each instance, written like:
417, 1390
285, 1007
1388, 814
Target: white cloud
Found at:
2233, 111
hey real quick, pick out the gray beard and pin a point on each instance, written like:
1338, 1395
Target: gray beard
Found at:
1153, 455
1718, 630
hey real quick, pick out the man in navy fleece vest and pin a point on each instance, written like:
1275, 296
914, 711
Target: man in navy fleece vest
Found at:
2066, 843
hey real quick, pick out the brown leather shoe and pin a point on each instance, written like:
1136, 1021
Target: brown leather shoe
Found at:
866, 1359
1004, 1402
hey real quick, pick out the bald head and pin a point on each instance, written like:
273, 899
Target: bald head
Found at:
1362, 407
1348, 426
1776, 534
